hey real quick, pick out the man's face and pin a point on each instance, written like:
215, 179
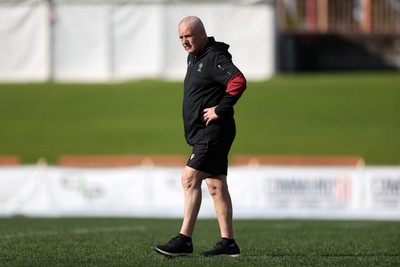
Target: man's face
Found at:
192, 40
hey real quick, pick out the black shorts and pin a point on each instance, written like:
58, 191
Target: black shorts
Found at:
211, 156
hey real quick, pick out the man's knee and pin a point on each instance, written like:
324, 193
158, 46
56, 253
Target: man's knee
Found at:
217, 186
191, 178
214, 190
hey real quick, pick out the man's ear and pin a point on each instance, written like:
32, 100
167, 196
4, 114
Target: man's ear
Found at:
203, 33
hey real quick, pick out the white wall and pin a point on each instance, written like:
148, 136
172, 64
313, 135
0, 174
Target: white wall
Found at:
110, 41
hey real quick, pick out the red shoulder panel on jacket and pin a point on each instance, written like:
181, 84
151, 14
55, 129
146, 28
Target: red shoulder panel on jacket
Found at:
236, 85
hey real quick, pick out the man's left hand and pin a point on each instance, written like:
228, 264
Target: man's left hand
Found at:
209, 115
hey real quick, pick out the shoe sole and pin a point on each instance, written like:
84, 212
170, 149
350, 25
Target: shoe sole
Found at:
231, 255
171, 255
222, 255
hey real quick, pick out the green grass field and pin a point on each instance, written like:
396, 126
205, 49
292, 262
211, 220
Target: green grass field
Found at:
129, 242
308, 114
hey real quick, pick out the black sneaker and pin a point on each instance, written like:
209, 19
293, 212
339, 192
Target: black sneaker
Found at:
222, 248
176, 247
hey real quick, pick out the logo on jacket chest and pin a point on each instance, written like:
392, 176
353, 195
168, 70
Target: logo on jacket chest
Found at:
200, 67
193, 65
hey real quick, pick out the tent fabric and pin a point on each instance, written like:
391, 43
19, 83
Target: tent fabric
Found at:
121, 40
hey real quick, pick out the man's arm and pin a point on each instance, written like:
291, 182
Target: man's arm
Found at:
234, 90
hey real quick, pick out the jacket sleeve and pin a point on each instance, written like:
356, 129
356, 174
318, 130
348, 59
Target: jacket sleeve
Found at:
234, 90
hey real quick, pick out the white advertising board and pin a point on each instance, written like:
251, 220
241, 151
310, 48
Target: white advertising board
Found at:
257, 192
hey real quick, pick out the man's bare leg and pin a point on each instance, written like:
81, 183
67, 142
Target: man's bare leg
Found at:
191, 182
181, 245
218, 188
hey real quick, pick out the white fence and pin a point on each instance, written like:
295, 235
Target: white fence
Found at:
97, 41
257, 192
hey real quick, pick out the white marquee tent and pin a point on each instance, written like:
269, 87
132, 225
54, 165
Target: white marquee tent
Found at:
104, 41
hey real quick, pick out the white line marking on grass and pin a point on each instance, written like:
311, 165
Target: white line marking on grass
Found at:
77, 231
355, 225
136, 228
286, 225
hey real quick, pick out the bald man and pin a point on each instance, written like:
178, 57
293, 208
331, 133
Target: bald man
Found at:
212, 86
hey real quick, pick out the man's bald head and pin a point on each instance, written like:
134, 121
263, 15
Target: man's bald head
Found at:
194, 22
192, 33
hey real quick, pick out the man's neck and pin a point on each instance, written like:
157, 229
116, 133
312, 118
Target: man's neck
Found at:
202, 47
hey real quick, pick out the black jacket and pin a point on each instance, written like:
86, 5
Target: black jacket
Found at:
205, 86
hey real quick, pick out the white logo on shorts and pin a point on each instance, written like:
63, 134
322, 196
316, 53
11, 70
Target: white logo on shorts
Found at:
192, 156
